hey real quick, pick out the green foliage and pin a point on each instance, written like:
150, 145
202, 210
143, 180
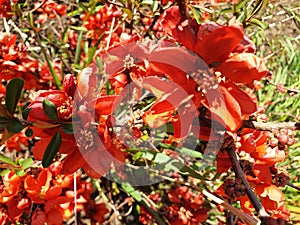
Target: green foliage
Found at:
50, 110
13, 94
52, 149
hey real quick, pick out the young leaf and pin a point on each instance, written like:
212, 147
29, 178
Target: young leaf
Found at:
26, 163
20, 173
7, 160
13, 94
51, 149
50, 110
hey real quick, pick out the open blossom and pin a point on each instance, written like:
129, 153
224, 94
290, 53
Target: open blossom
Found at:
219, 46
229, 53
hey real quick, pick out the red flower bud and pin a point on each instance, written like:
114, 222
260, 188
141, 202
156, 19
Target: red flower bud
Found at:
61, 101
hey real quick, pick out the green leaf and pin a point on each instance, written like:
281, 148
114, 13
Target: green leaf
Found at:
137, 156
50, 110
127, 187
154, 6
128, 12
29, 132
83, 29
166, 163
13, 94
26, 163
258, 23
258, 7
4, 172
20, 173
7, 160
78, 48
52, 149
25, 113
51, 68
189, 152
130, 190
14, 126
197, 14
68, 128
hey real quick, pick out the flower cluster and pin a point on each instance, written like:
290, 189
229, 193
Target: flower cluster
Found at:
46, 196
14, 62
184, 207
49, 9
129, 101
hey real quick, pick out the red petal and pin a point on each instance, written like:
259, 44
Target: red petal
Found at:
216, 46
73, 162
159, 114
54, 217
225, 108
104, 104
39, 148
244, 68
53, 192
248, 106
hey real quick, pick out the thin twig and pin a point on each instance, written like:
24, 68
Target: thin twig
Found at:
243, 216
271, 125
290, 90
293, 186
240, 174
75, 197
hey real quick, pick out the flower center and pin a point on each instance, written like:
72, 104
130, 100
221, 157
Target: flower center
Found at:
65, 109
204, 80
128, 62
86, 139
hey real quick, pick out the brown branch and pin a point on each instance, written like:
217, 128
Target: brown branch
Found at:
293, 186
270, 125
289, 90
182, 8
240, 174
266, 126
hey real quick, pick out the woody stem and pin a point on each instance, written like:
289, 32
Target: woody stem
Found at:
182, 8
271, 125
265, 126
240, 174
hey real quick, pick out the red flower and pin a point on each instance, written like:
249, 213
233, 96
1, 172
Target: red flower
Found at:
11, 186
6, 9
17, 142
271, 196
60, 99
97, 147
50, 9
216, 45
41, 189
186, 207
